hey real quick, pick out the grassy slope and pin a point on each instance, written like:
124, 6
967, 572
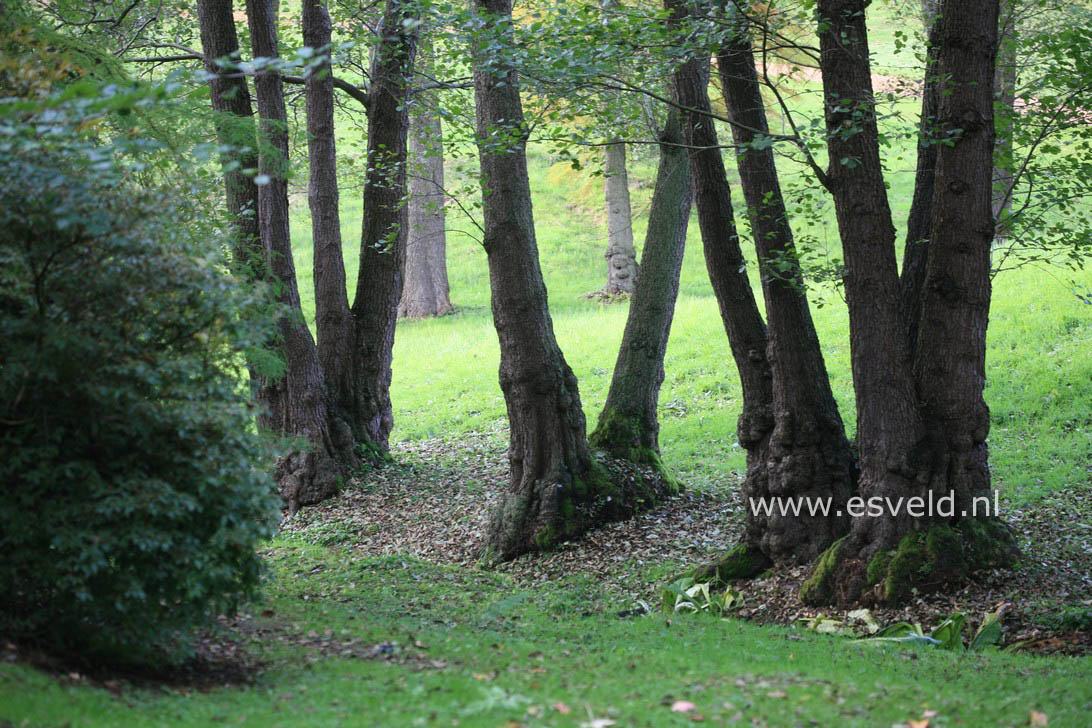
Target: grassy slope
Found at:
509, 654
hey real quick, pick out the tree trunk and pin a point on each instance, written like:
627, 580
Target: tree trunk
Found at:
235, 131
728, 275
556, 489
426, 291
383, 240
929, 10
298, 400
621, 255
332, 318
237, 135
628, 426
1004, 163
921, 428
889, 427
950, 364
915, 253
808, 455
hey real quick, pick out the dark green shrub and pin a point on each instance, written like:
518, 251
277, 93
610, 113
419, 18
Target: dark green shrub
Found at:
133, 498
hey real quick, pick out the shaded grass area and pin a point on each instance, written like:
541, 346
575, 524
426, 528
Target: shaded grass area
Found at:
459, 646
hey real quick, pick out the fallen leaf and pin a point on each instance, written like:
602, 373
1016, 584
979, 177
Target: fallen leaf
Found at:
777, 694
1037, 718
562, 708
682, 706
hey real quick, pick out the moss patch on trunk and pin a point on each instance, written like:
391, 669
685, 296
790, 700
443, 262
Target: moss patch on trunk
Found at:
739, 562
922, 561
624, 437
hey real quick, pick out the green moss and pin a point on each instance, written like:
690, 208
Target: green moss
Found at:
944, 550
545, 537
988, 542
623, 437
568, 510
942, 554
617, 434
739, 562
877, 567
371, 453
596, 483
819, 588
905, 568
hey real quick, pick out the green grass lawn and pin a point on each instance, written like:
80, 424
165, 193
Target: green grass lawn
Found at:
467, 647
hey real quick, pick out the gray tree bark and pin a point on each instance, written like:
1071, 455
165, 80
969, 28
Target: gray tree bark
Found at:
556, 489
237, 135
1004, 164
426, 291
235, 131
915, 252
332, 317
384, 228
727, 272
621, 255
922, 421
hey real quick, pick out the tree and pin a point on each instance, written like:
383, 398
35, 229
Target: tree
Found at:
334, 395
808, 455
794, 436
728, 274
922, 421
235, 131
385, 225
621, 255
628, 427
332, 318
426, 291
298, 403
557, 489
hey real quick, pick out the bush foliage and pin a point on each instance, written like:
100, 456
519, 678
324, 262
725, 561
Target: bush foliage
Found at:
134, 499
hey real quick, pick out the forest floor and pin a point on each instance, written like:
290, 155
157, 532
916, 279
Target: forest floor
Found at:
434, 505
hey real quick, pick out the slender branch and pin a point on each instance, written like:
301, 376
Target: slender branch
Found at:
795, 140
125, 12
820, 174
442, 85
165, 59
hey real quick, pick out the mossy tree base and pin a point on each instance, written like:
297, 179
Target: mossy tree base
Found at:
742, 561
554, 512
626, 438
923, 560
